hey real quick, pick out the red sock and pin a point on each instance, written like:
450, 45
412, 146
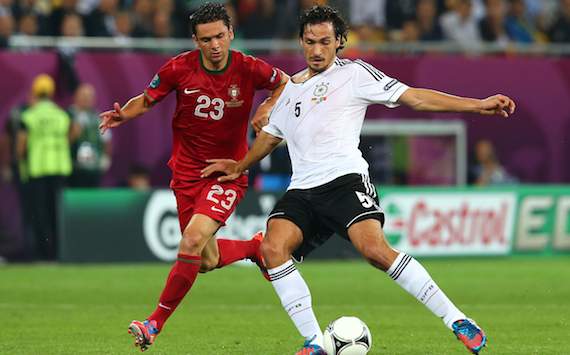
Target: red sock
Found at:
234, 250
178, 283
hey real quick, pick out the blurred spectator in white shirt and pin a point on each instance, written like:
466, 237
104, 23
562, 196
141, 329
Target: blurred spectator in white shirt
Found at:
368, 12
461, 26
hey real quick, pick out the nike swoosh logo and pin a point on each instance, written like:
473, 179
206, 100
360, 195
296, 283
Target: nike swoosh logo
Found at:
188, 91
215, 209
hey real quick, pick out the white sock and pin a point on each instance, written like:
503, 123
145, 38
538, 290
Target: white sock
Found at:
296, 299
412, 277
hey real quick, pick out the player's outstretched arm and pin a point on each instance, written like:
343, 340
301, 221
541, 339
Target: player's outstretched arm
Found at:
261, 116
119, 115
432, 100
262, 146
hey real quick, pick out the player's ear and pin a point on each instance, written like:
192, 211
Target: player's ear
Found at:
195, 40
337, 43
231, 33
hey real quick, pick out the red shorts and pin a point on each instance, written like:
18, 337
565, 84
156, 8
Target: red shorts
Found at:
209, 197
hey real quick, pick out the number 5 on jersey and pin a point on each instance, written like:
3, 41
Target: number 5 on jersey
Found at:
298, 109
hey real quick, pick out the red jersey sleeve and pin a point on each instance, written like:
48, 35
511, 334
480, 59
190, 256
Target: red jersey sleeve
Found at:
265, 76
162, 83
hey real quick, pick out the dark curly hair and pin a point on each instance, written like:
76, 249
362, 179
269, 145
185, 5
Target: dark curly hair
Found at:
209, 12
319, 14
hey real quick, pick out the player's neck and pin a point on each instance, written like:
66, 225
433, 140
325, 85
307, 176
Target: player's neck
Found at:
310, 73
215, 67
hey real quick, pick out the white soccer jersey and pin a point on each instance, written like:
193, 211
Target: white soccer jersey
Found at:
321, 120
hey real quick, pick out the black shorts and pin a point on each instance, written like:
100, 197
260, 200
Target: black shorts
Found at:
331, 208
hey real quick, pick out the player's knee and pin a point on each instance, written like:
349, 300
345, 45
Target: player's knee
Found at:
273, 254
192, 243
377, 253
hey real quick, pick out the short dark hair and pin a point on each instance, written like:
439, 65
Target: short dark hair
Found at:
319, 14
209, 12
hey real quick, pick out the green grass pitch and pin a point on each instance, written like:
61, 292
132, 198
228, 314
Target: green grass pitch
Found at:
523, 304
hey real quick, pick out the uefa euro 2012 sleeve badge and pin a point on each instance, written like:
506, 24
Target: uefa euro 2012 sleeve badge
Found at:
155, 82
319, 95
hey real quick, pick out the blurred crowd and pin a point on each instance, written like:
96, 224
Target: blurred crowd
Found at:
46, 148
51, 147
469, 22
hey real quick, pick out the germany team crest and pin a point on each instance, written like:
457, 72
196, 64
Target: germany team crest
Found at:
319, 95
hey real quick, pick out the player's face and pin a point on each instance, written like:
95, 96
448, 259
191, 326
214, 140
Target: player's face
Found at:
214, 40
319, 45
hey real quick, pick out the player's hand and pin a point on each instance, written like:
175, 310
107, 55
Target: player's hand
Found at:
258, 123
497, 105
259, 120
111, 118
261, 117
228, 167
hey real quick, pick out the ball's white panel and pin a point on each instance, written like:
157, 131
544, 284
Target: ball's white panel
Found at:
347, 336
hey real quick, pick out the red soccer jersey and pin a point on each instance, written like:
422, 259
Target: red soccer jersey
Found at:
212, 107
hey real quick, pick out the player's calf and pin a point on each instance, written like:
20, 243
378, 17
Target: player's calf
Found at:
282, 238
208, 264
368, 238
257, 257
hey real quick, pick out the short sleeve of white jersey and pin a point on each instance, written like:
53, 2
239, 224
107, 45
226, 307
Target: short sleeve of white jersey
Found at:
276, 118
273, 129
374, 87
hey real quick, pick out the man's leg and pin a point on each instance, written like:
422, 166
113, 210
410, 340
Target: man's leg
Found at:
219, 200
283, 237
40, 218
199, 231
220, 252
54, 190
368, 238
210, 256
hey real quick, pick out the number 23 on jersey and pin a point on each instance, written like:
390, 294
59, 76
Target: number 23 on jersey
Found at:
219, 196
209, 108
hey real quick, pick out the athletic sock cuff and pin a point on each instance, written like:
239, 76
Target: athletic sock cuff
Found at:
402, 260
281, 270
192, 259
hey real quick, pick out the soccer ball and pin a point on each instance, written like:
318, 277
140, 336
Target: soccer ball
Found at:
347, 336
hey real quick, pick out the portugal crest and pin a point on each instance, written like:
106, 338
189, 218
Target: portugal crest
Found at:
233, 93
